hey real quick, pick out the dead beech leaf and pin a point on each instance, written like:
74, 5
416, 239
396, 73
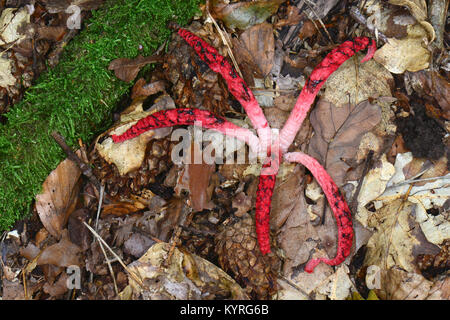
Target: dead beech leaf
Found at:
186, 276
61, 254
338, 132
58, 199
255, 49
408, 54
355, 82
242, 14
127, 69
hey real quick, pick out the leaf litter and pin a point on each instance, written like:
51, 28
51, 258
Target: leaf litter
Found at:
176, 230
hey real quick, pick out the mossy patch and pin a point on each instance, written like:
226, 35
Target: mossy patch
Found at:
76, 97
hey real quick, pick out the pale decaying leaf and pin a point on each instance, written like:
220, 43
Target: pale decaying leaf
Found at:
58, 199
374, 185
432, 194
128, 155
338, 132
338, 285
418, 9
6, 76
11, 25
392, 251
355, 82
186, 276
408, 54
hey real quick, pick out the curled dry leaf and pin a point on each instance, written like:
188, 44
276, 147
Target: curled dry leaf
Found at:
127, 69
338, 132
432, 194
186, 276
58, 199
243, 15
418, 9
408, 54
143, 89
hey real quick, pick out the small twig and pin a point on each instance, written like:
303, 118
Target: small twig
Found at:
360, 18
131, 273
367, 163
185, 221
309, 4
224, 39
100, 203
85, 169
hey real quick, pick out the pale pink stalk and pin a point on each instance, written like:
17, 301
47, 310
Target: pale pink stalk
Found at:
337, 203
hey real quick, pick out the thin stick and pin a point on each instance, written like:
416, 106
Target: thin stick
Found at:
224, 39
309, 4
85, 169
131, 273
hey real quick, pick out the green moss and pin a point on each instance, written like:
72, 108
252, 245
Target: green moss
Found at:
76, 97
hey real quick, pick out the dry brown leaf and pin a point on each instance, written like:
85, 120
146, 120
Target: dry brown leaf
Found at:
255, 49
355, 82
58, 199
54, 33
431, 83
294, 16
12, 290
122, 208
244, 14
79, 234
185, 276
338, 132
127, 69
57, 288
143, 89
196, 179
61, 254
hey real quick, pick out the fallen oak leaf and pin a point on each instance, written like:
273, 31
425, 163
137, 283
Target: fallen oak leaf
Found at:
127, 69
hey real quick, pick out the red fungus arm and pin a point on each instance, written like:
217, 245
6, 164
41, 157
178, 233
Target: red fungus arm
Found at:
236, 85
316, 80
186, 116
338, 205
